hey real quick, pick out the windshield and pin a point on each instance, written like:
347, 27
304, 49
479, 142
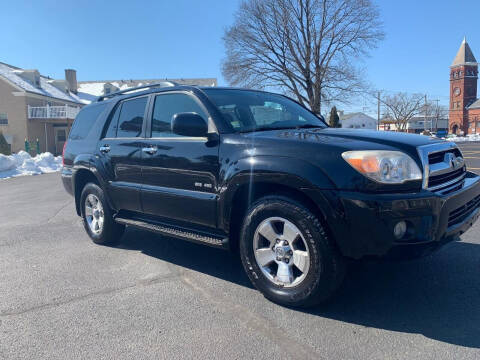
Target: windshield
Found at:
247, 111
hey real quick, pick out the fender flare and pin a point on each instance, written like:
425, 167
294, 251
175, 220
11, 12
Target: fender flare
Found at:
288, 172
88, 162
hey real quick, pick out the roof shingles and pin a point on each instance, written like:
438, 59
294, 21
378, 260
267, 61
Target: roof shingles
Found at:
464, 55
11, 74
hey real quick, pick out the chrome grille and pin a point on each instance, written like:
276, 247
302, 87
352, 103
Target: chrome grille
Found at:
437, 180
444, 169
437, 157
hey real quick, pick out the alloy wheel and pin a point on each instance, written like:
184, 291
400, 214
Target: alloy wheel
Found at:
281, 252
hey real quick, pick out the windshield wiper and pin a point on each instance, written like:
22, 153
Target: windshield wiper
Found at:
266, 128
308, 126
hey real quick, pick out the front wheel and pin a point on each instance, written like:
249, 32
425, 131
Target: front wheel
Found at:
97, 216
287, 254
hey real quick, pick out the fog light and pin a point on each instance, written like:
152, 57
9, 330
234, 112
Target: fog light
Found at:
400, 229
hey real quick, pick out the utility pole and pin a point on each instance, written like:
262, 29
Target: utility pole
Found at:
437, 113
425, 119
378, 111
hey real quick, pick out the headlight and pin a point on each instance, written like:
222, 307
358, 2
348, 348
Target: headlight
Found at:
388, 167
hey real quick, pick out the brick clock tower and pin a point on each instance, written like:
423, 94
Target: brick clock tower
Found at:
463, 89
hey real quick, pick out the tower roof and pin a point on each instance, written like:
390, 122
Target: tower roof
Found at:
464, 55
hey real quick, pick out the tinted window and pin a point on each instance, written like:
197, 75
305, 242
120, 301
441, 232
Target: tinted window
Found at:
254, 110
85, 120
168, 105
111, 132
130, 120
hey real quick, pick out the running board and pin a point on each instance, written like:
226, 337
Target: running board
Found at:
174, 231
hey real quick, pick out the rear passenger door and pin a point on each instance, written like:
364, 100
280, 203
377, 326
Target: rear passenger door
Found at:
179, 173
120, 150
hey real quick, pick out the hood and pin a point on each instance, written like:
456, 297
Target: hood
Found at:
350, 136
324, 148
396, 139
332, 139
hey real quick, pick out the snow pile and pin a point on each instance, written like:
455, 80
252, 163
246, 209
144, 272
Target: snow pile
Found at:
468, 138
23, 164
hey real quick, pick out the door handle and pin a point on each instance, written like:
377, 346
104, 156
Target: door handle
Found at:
105, 148
150, 150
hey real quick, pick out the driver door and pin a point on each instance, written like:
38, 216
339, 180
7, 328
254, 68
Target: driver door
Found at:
179, 173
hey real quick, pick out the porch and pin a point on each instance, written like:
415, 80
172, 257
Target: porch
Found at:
53, 112
50, 125
51, 134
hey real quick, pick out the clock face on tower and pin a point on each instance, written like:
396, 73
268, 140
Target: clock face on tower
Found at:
457, 91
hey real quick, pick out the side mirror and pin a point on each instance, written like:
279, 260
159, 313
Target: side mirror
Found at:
189, 124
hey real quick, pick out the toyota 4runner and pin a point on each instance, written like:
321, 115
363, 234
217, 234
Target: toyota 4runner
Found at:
258, 173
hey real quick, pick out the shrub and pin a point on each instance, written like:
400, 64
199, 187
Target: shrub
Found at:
4, 146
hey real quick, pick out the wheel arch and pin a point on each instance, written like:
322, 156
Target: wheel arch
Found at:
248, 193
81, 178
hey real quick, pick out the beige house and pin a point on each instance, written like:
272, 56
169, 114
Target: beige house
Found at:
33, 106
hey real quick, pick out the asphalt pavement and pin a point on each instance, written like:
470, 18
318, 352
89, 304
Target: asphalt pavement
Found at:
471, 153
63, 297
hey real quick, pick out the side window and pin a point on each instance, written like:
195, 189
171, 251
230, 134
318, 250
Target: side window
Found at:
111, 131
168, 105
85, 120
131, 116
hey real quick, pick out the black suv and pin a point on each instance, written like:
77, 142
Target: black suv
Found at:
257, 172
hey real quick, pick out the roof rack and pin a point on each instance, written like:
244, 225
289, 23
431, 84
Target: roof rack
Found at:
149, 86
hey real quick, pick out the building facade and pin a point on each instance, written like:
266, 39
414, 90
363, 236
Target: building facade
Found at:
464, 115
35, 108
417, 124
357, 120
88, 91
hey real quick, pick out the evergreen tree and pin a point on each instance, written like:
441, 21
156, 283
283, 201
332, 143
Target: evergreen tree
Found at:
334, 120
4, 146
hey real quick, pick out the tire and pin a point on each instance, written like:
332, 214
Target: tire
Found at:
323, 270
107, 232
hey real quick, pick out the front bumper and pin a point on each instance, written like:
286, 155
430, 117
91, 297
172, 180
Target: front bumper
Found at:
363, 224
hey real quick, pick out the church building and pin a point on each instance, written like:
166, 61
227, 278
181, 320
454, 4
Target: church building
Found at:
464, 104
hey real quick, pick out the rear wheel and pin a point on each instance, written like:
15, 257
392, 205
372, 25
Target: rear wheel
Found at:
98, 217
287, 254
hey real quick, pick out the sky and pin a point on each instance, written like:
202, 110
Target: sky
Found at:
106, 40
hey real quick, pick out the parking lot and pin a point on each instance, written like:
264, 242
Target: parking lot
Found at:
471, 152
62, 297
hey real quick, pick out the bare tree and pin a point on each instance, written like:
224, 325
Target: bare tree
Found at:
402, 107
305, 47
434, 112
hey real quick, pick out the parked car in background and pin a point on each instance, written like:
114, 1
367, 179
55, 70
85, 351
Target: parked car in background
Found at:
441, 133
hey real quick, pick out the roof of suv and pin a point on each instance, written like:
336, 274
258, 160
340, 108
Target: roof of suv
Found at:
161, 87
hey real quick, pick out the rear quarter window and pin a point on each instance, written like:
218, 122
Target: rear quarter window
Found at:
85, 120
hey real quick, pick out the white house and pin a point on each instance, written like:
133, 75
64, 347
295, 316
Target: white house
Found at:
417, 124
357, 120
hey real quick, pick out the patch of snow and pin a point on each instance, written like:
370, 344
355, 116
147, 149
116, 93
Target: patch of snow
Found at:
90, 91
468, 138
22, 164
95, 89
